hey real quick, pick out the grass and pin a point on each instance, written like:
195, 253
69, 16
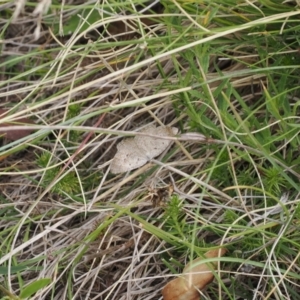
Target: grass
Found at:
225, 73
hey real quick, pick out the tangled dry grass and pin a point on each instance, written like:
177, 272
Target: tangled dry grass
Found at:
97, 235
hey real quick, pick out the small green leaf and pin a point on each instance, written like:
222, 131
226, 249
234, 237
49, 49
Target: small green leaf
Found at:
18, 268
33, 287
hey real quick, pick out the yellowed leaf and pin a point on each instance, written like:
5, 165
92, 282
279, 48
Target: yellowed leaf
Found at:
195, 277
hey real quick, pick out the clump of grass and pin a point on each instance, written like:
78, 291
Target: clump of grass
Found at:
88, 74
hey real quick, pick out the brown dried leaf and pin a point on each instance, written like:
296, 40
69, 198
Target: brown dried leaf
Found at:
178, 289
13, 135
196, 276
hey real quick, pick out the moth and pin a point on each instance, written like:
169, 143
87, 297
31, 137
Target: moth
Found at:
135, 152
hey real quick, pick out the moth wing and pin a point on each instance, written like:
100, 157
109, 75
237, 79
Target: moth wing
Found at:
152, 146
127, 158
